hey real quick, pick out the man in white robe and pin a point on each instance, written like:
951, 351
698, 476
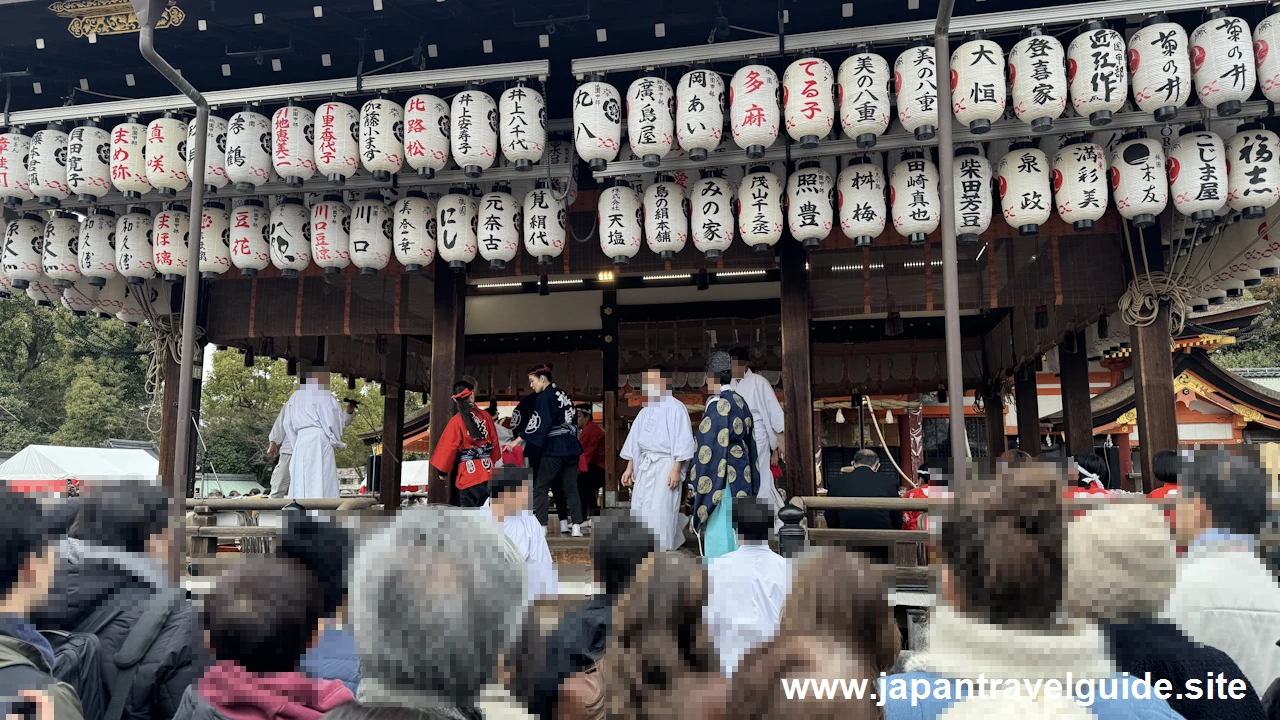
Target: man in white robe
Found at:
746, 588
313, 423
766, 419
281, 448
660, 441
509, 504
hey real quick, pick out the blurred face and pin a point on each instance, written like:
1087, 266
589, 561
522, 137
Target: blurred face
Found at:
739, 369
320, 378
1190, 519
583, 419
653, 384
34, 580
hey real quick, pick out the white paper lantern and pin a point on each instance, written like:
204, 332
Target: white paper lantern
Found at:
544, 223
1253, 170
371, 234
128, 159
89, 162
597, 122
139, 299
167, 155
14, 186
1026, 195
474, 140
1266, 54
171, 237
915, 79
808, 104
250, 237
1160, 67
650, 123
977, 83
498, 227
699, 112
215, 154
337, 146
47, 166
810, 216
860, 200
913, 197
61, 249
290, 244
1197, 169
1098, 73
1038, 79
522, 112
864, 98
1080, 183
111, 297
97, 256
293, 132
666, 224
24, 250
80, 297
711, 214
135, 255
44, 293
456, 215
382, 138
971, 188
414, 231
248, 154
760, 215
331, 233
426, 134
1138, 180
753, 108
620, 221
1222, 63
215, 240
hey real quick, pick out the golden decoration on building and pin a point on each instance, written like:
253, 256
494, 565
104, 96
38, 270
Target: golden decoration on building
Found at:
1187, 381
1247, 414
109, 17
1128, 418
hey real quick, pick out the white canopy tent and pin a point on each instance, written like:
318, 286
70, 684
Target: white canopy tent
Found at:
49, 468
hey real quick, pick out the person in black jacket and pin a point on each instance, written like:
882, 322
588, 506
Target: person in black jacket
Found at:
550, 436
114, 571
865, 481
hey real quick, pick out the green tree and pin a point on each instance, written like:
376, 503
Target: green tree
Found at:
1259, 345
237, 408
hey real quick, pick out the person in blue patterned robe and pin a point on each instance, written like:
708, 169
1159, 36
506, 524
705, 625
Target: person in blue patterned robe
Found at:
725, 464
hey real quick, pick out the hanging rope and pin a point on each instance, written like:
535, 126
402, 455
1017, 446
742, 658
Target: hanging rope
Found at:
1140, 303
166, 339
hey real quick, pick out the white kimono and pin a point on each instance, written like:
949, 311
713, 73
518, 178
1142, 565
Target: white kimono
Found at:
531, 538
660, 438
767, 421
746, 589
313, 424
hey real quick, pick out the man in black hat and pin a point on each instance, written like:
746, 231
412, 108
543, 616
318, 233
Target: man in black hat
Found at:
29, 535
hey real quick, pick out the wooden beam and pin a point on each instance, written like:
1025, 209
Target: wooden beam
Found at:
797, 387
1077, 416
1028, 405
1153, 393
392, 424
448, 330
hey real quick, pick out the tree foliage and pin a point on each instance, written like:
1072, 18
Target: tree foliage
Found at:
1259, 345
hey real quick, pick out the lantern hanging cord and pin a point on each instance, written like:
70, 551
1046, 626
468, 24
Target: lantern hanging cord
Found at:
573, 158
1140, 304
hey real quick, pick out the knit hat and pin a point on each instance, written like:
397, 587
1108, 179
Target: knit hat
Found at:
1120, 563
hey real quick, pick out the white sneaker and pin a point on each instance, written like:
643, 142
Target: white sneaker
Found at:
577, 531
564, 526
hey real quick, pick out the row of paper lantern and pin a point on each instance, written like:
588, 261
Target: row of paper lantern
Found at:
1162, 65
116, 298
382, 137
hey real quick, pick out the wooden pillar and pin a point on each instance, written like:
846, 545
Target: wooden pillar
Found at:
1028, 405
393, 373
1124, 448
1077, 416
169, 475
796, 387
993, 404
1153, 391
611, 448
609, 368
448, 331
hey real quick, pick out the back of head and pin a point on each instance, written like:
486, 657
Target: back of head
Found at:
1004, 548
1014, 457
842, 596
658, 636
509, 478
618, 545
263, 614
434, 602
865, 458
1120, 563
1093, 464
740, 354
123, 515
1166, 465
756, 692
752, 519
1233, 487
23, 535
324, 547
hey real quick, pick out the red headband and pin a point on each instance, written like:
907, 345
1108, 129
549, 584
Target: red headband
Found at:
466, 393
542, 369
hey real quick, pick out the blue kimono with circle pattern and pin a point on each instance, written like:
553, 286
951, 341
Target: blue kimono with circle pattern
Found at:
726, 455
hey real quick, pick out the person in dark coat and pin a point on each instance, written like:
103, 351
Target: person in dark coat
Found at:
117, 567
325, 548
1121, 569
865, 481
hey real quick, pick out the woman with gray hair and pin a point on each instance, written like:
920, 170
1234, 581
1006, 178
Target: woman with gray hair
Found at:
435, 601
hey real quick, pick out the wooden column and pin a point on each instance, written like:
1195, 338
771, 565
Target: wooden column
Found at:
796, 386
393, 372
169, 475
609, 368
1153, 391
1124, 448
1077, 416
993, 404
448, 331
1028, 405
611, 448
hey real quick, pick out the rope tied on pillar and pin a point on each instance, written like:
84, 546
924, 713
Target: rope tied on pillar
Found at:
164, 339
1140, 303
